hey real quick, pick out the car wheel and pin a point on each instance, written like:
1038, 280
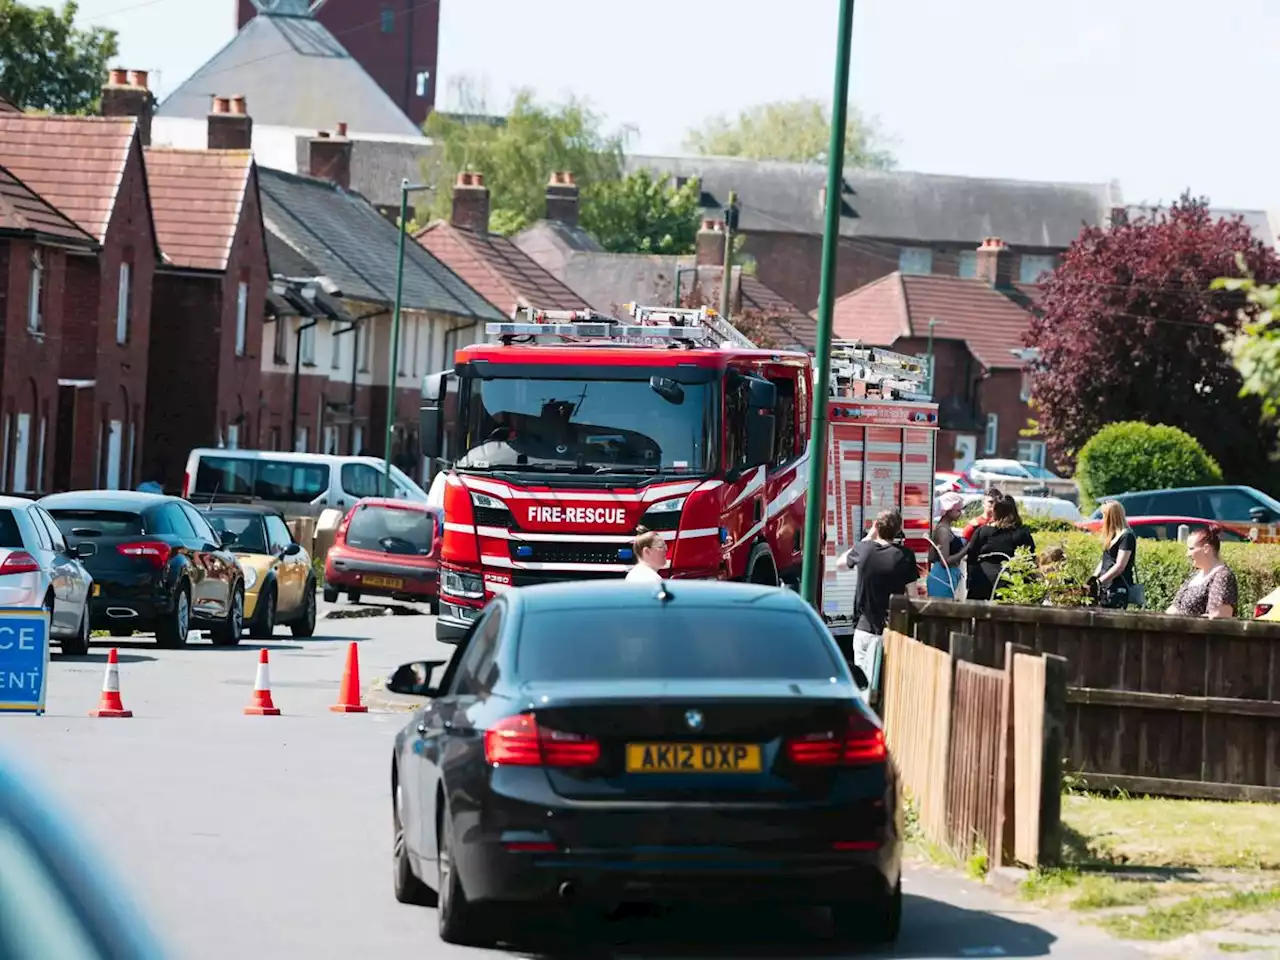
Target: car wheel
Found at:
876, 923
460, 920
353, 596
264, 619
408, 888
228, 632
78, 645
306, 627
330, 595
176, 627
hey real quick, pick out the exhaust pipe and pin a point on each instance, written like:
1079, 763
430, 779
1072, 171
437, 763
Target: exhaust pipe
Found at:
568, 892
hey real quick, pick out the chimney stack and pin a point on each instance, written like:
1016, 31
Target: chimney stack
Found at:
471, 203
562, 198
330, 157
126, 95
710, 244
230, 126
995, 263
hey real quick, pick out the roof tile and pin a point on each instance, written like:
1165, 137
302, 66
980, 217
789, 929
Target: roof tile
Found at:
25, 213
197, 197
75, 163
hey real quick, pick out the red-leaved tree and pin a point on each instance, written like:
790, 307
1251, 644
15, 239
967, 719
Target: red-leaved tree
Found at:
1128, 329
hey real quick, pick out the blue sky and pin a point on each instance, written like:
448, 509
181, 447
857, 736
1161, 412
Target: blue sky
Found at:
1158, 94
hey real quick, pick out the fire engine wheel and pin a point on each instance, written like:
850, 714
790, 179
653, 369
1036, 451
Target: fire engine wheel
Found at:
760, 568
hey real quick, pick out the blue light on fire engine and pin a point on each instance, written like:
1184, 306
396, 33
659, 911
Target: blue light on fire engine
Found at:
524, 550
625, 554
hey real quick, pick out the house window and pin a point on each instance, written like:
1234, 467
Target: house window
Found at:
233, 436
388, 19
122, 304
404, 346
1031, 451
967, 264
335, 355
423, 81
1024, 394
1033, 266
991, 442
242, 318
282, 341
307, 344
35, 319
331, 439
302, 440
915, 260
417, 345
365, 350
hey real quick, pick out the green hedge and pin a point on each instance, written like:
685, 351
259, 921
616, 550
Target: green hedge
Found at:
1141, 456
1163, 565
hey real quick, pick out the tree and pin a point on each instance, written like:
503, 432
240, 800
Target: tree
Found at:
638, 214
794, 130
46, 63
517, 156
1140, 456
1128, 329
1255, 347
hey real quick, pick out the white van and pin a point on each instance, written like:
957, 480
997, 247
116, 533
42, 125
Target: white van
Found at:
299, 484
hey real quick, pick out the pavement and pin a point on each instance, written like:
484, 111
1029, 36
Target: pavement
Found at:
271, 836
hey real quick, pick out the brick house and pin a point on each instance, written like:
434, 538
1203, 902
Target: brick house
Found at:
973, 328
494, 266
208, 305
92, 169
35, 241
891, 221
318, 228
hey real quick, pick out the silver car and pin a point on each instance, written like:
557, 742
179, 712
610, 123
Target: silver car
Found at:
36, 570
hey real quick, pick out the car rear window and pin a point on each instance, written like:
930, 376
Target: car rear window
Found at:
247, 530
10, 535
673, 643
97, 523
391, 530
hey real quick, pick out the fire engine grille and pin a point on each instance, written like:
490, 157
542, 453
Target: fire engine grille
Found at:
569, 552
489, 517
531, 578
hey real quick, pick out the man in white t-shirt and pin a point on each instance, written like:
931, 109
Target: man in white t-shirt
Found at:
651, 556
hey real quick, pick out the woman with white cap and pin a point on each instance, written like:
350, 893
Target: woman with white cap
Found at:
947, 549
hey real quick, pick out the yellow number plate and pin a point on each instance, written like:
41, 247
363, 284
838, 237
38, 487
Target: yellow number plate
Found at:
693, 758
97, 589
387, 583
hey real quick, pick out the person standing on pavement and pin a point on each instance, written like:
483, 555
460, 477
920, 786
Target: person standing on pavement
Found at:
993, 545
885, 567
989, 501
650, 550
1211, 591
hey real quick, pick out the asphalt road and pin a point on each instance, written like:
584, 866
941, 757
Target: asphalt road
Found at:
270, 836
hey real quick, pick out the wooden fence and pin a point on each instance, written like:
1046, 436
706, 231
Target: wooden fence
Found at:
976, 746
1155, 704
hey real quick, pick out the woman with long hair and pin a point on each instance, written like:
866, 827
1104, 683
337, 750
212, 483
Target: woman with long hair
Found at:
993, 545
1118, 567
946, 549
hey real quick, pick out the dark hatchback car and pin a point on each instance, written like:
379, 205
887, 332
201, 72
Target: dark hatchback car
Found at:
609, 742
156, 563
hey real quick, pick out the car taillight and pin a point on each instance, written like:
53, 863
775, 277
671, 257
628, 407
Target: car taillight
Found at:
19, 562
155, 551
861, 742
186, 485
1261, 610
520, 742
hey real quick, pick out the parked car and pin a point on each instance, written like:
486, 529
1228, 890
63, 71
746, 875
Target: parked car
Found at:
38, 569
386, 548
721, 716
1054, 508
1245, 510
279, 584
157, 565
1165, 528
949, 482
1019, 477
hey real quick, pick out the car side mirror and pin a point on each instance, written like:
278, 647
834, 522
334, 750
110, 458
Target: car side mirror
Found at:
414, 679
1260, 515
292, 550
860, 678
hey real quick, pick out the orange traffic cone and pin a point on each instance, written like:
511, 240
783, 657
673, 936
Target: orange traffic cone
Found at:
110, 704
349, 695
261, 705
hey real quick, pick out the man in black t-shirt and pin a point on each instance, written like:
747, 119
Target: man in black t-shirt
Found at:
885, 567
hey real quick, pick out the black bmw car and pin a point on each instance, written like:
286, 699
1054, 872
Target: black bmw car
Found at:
611, 742
156, 563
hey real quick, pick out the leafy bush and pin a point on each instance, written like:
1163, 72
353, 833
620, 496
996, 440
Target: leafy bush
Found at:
1127, 456
1025, 581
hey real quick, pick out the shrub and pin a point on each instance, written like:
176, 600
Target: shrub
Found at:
1127, 456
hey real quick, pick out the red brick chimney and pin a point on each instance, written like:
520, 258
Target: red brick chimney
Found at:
710, 244
230, 126
127, 95
562, 198
995, 263
330, 157
471, 203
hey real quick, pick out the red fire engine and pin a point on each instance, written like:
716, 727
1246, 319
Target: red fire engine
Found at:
573, 428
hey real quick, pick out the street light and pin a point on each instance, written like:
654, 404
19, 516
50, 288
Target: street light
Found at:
405, 189
815, 509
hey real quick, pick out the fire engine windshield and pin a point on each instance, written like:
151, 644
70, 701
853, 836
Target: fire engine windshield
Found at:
587, 426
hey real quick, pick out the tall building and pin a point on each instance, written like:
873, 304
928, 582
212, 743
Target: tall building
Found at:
396, 41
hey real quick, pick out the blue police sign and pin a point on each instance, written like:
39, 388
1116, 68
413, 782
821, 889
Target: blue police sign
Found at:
24, 659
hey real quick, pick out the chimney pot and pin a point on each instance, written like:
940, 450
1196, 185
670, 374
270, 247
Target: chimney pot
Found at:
119, 78
239, 106
221, 105
323, 134
562, 198
342, 128
470, 203
138, 78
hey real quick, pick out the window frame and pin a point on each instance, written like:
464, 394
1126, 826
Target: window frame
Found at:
991, 435
242, 318
124, 302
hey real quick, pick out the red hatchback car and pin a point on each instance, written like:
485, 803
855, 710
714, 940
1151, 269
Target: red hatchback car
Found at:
386, 548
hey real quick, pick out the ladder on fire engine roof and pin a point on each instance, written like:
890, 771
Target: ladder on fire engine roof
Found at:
893, 376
